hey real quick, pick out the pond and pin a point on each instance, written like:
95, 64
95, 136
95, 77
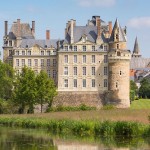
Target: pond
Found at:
33, 139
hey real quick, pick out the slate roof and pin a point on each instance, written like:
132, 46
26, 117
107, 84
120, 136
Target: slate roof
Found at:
136, 49
26, 32
139, 62
121, 34
89, 31
41, 43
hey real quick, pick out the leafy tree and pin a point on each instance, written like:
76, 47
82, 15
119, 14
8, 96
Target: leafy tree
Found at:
6, 81
46, 89
133, 90
25, 90
144, 90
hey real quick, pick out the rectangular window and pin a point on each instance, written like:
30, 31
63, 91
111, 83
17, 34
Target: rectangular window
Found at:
48, 62
42, 62
48, 73
66, 58
93, 82
75, 70
66, 48
75, 58
93, 48
23, 52
36, 62
84, 70
105, 59
23, 62
105, 70
93, 58
105, 48
105, 82
17, 62
84, 82
93, 71
84, 58
10, 52
10, 43
65, 70
42, 53
75, 83
84, 48
75, 48
54, 62
17, 52
29, 52
54, 74
66, 83
29, 62
48, 53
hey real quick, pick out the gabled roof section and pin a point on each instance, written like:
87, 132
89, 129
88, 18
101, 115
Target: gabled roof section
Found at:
42, 43
25, 30
120, 32
136, 49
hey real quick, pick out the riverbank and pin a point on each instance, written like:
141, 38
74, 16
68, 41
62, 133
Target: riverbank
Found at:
80, 127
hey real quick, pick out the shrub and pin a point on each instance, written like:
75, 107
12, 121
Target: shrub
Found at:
108, 107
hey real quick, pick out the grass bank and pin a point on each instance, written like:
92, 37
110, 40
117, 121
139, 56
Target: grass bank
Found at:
82, 127
140, 104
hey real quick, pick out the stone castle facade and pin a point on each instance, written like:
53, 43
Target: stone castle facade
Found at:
90, 65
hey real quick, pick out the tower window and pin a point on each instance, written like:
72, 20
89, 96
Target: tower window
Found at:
116, 85
117, 46
118, 54
120, 73
117, 37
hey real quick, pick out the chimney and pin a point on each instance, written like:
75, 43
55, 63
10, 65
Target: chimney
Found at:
33, 27
72, 27
98, 23
110, 27
6, 28
47, 34
19, 28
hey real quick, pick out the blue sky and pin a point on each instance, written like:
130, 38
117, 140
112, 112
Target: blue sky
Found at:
53, 15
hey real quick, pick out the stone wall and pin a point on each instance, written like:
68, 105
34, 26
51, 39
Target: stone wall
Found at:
94, 99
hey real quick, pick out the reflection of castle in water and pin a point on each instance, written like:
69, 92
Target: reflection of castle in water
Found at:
79, 146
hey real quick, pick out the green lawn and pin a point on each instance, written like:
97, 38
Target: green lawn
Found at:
140, 104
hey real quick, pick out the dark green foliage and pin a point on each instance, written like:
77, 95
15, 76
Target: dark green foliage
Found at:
82, 107
46, 89
144, 90
6, 81
133, 90
81, 128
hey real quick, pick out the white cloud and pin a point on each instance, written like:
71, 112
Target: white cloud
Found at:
139, 23
96, 3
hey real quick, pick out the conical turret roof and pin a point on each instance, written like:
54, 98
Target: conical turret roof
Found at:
120, 32
136, 49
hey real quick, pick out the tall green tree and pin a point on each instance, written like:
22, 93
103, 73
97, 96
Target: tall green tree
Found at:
6, 81
133, 90
25, 90
46, 89
144, 90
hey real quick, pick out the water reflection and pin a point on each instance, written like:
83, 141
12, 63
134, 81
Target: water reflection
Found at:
22, 139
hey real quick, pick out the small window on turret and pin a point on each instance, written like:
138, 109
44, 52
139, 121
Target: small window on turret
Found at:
118, 54
120, 73
116, 85
117, 46
117, 37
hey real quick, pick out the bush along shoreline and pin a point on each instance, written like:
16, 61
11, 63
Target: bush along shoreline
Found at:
81, 128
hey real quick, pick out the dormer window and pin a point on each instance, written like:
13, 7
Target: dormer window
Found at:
45, 46
66, 48
29, 52
23, 52
42, 52
10, 43
75, 48
93, 48
84, 48
105, 48
27, 46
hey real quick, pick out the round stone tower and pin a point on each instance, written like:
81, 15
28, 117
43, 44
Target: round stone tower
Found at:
119, 67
